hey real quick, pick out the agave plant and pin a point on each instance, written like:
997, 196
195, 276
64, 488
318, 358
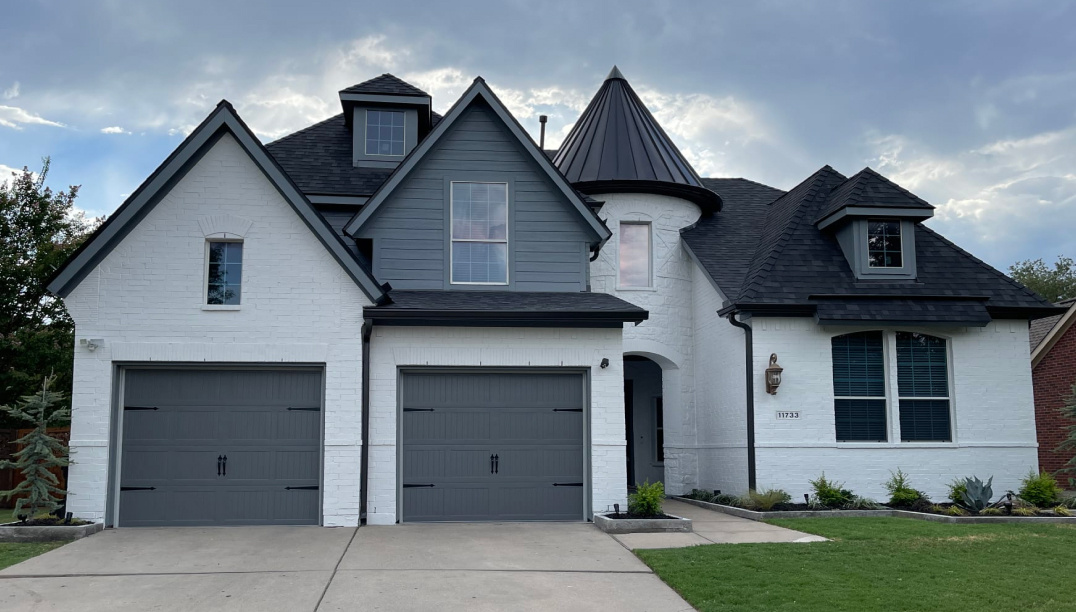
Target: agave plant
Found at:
976, 495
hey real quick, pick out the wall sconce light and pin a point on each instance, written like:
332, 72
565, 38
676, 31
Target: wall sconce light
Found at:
773, 375
605, 363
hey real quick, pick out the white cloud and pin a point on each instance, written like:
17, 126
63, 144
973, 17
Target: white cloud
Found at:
15, 117
12, 92
115, 129
372, 52
6, 172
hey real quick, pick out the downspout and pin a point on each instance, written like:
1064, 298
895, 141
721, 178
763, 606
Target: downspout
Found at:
364, 460
750, 363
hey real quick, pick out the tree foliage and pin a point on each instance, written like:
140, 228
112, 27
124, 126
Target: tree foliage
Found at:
1069, 412
39, 229
40, 452
1055, 284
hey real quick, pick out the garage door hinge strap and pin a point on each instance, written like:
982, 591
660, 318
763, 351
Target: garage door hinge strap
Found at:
418, 409
306, 408
567, 484
308, 488
567, 410
412, 486
139, 407
138, 488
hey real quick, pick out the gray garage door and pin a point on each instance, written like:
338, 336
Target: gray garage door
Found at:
222, 447
489, 446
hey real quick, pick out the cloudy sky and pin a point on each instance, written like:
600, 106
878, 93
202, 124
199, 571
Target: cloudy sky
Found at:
970, 104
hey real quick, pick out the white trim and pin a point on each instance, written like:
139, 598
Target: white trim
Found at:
452, 240
1050, 339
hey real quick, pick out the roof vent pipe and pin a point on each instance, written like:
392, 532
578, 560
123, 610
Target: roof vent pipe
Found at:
541, 138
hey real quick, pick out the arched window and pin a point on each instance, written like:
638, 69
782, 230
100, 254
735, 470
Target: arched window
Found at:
859, 403
923, 388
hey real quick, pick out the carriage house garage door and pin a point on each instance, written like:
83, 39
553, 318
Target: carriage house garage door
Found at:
220, 447
493, 445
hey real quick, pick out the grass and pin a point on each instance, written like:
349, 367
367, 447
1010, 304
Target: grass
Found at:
16, 552
880, 564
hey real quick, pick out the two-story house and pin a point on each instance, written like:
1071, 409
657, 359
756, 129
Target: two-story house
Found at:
394, 315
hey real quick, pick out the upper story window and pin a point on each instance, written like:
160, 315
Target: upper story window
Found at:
883, 244
224, 273
634, 251
479, 233
384, 132
861, 404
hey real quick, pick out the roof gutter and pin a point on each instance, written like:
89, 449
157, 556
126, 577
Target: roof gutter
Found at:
364, 452
750, 368
480, 318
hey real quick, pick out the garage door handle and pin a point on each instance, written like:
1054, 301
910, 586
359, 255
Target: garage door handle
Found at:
220, 460
567, 484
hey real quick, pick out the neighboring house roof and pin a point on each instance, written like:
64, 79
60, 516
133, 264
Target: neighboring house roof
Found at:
787, 265
1047, 331
222, 120
868, 189
618, 146
386, 85
505, 308
480, 91
319, 160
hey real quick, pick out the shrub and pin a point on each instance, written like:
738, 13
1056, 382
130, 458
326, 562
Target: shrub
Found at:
765, 499
1025, 511
830, 493
39, 490
991, 511
725, 500
1062, 511
956, 511
647, 499
957, 488
901, 493
1039, 489
861, 503
977, 494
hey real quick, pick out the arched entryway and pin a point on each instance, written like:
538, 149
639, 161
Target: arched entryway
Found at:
644, 417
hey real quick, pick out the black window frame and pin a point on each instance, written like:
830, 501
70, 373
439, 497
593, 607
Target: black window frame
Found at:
924, 387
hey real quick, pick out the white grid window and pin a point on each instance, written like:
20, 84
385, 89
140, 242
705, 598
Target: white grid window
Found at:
384, 132
479, 233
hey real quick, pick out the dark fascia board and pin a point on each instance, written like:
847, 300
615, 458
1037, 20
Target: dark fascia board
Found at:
899, 323
385, 98
485, 318
222, 120
769, 310
1023, 312
477, 89
859, 212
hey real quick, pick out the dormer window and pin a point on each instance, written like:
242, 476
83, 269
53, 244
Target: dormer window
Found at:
385, 133
884, 244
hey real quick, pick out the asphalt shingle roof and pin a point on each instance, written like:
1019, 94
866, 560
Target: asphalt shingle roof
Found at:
1040, 328
386, 85
492, 307
868, 189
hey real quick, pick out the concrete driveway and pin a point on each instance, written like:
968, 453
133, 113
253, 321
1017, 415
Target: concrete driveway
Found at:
516, 566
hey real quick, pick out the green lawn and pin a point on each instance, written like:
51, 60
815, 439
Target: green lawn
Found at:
15, 552
881, 564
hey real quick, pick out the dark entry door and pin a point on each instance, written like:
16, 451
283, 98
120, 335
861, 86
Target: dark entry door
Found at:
220, 447
489, 446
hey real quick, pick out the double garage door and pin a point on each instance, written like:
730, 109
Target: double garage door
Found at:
220, 447
488, 445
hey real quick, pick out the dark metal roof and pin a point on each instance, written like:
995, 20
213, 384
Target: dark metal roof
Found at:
868, 189
318, 159
769, 256
618, 146
505, 309
385, 85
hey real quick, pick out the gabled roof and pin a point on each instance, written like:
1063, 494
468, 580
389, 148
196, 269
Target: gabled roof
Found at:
222, 120
1047, 331
793, 267
869, 190
385, 85
505, 309
479, 91
617, 145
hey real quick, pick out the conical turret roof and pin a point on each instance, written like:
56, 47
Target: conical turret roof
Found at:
617, 146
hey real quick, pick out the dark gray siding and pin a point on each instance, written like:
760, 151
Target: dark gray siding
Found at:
547, 237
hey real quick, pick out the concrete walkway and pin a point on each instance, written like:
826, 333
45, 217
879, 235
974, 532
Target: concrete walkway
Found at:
713, 528
501, 566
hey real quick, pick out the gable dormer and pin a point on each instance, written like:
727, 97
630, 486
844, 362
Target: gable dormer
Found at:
873, 220
387, 117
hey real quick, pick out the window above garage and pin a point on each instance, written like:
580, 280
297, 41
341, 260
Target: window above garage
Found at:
224, 274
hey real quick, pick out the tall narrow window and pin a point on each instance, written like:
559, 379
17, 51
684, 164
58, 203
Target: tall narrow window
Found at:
923, 388
479, 233
883, 244
659, 431
224, 277
384, 132
634, 252
859, 404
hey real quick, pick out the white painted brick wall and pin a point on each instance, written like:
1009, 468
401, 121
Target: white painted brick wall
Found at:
392, 347
145, 301
667, 336
994, 423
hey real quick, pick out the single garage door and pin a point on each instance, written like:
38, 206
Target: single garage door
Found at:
493, 446
220, 447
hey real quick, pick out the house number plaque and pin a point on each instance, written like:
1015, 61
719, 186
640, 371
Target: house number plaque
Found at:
788, 414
